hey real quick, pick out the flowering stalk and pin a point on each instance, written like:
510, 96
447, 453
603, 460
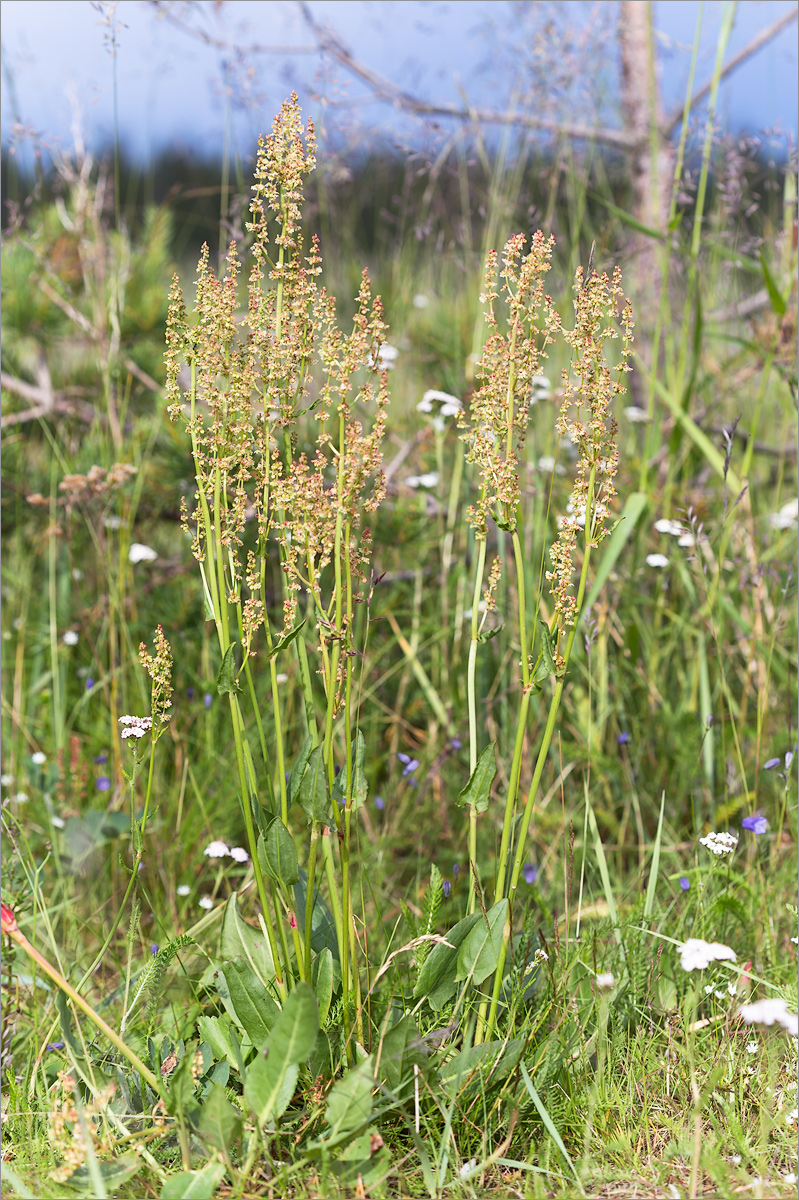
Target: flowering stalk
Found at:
589, 388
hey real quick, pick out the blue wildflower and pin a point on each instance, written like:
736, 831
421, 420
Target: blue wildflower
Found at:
755, 824
456, 743
447, 889
154, 948
102, 783
208, 699
530, 872
685, 882
456, 870
623, 738
772, 762
189, 693
55, 1045
101, 758
410, 764
380, 803
89, 683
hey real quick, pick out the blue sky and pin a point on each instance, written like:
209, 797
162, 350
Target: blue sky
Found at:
56, 61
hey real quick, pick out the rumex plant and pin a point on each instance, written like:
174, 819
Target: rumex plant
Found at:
258, 383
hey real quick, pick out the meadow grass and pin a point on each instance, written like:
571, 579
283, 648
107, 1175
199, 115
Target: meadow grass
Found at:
497, 810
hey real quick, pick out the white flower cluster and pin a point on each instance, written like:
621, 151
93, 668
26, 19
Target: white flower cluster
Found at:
675, 529
720, 843
696, 954
222, 850
136, 726
769, 1012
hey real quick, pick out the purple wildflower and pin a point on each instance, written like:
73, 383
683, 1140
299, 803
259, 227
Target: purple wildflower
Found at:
755, 824
102, 783
55, 1045
189, 693
456, 870
89, 683
685, 882
456, 743
447, 889
154, 948
208, 699
380, 803
410, 764
772, 762
530, 872
101, 758
623, 738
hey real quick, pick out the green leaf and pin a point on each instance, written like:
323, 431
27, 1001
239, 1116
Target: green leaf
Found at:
272, 1077
479, 954
299, 769
255, 1010
322, 975
774, 295
349, 1105
226, 680
286, 640
548, 1123
437, 980
240, 940
548, 650
481, 1067
323, 927
478, 790
635, 505
277, 854
492, 633
312, 795
651, 886
360, 787
220, 1037
400, 1050
114, 1174
220, 1122
194, 1185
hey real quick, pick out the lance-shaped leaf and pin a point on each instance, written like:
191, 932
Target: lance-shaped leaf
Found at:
479, 953
286, 640
312, 795
322, 975
272, 1076
226, 680
277, 854
437, 981
240, 941
252, 1006
360, 787
478, 790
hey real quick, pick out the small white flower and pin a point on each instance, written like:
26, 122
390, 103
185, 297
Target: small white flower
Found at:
752, 1047
768, 1011
794, 940
136, 727
444, 403
735, 1159
790, 1119
786, 517
657, 560
58, 822
38, 759
205, 902
70, 638
708, 989
731, 989
698, 954
113, 522
790, 1177
664, 525
21, 797
420, 300
467, 612
605, 980
184, 890
638, 416
216, 850
430, 480
6, 780
238, 853
77, 574
140, 553
686, 540
467, 1168
541, 955
720, 843
282, 677
547, 464
720, 995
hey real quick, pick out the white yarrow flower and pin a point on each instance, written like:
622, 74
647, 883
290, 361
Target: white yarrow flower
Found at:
140, 553
216, 850
58, 822
136, 727
430, 480
786, 517
635, 414
467, 1168
21, 797
696, 954
205, 902
238, 853
184, 890
38, 759
70, 638
6, 780
420, 300
686, 540
720, 843
657, 560
605, 980
664, 525
768, 1012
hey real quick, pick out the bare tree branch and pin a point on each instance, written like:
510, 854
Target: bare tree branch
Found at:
329, 42
165, 10
45, 402
762, 38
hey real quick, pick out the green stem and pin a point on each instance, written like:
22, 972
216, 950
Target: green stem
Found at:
472, 703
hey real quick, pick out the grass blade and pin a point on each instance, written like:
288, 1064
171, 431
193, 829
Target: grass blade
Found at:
651, 887
549, 1125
